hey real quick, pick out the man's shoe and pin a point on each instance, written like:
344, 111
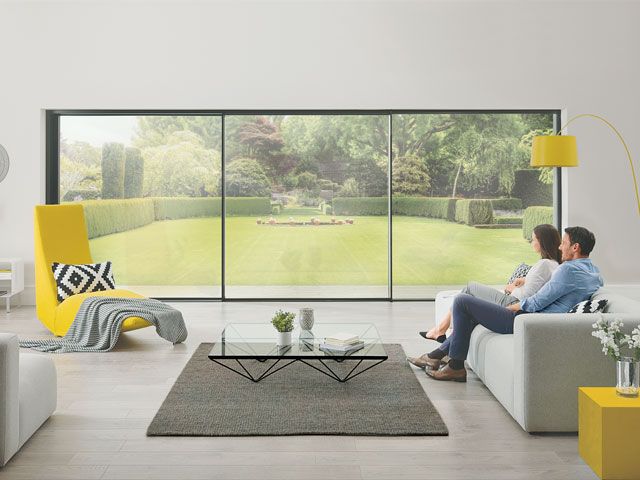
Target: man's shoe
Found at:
425, 362
447, 373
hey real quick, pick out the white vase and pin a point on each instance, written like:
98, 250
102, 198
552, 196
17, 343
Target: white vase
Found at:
284, 339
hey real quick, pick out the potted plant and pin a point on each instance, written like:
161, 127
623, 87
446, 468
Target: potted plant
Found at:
283, 323
614, 341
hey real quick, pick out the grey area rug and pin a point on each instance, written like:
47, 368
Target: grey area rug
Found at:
209, 400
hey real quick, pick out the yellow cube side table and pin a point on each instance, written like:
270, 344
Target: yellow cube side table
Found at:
609, 433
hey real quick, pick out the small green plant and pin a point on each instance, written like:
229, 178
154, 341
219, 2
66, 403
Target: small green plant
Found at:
283, 321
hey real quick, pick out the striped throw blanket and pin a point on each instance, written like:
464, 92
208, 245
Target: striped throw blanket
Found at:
98, 324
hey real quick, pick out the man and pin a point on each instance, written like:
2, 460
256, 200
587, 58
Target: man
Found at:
574, 281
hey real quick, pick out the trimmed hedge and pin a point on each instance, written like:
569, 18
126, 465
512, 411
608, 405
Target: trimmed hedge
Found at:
528, 187
248, 205
534, 216
133, 173
112, 170
275, 210
360, 206
474, 212
105, 217
431, 207
508, 220
327, 209
506, 203
172, 208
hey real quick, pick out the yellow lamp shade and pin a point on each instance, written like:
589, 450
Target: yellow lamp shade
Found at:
554, 151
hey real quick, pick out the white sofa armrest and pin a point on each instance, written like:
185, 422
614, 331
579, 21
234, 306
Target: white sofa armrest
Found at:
554, 355
9, 402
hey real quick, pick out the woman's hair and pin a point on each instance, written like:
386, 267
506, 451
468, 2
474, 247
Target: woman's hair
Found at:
549, 240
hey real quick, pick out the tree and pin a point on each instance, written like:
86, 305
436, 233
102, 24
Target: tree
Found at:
154, 130
350, 188
133, 173
181, 167
246, 178
308, 181
410, 176
112, 170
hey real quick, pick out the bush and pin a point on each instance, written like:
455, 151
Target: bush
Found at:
80, 195
506, 203
534, 216
275, 209
174, 208
248, 206
528, 187
112, 170
474, 212
508, 220
105, 217
326, 209
360, 206
246, 178
431, 207
133, 173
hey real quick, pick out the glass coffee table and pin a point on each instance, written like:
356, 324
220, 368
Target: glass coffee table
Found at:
241, 345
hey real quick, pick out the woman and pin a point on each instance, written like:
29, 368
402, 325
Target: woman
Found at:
545, 240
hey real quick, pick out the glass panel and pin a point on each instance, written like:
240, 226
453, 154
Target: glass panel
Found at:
440, 162
306, 206
150, 187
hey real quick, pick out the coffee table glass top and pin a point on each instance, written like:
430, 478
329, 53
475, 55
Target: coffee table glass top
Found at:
258, 340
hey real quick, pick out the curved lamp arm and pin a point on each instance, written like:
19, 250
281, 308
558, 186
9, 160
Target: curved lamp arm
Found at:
624, 144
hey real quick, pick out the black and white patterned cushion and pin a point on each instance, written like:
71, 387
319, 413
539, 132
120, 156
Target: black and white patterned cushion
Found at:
590, 306
74, 279
520, 271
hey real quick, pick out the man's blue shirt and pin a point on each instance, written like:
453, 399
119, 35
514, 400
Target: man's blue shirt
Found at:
572, 282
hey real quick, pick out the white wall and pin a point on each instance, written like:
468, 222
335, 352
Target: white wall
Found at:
582, 57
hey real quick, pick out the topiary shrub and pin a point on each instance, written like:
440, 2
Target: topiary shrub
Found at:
506, 203
528, 187
534, 216
275, 210
327, 209
112, 170
133, 173
105, 217
474, 212
360, 206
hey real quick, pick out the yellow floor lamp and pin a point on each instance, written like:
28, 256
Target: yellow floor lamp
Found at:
562, 151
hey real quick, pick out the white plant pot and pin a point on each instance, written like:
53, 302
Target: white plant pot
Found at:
284, 339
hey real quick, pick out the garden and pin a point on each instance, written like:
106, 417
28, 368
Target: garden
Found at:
464, 200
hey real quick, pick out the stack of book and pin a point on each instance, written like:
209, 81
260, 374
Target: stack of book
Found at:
342, 343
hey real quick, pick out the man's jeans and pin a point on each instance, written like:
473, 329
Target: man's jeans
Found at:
467, 312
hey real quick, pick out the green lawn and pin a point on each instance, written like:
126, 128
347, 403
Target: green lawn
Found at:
426, 252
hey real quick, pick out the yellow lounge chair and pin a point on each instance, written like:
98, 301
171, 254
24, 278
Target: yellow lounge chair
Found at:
61, 236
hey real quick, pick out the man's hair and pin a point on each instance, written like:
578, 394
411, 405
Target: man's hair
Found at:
582, 237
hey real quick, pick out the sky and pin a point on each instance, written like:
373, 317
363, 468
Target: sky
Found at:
98, 130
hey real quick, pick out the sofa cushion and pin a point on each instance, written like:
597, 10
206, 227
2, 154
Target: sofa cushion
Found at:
616, 303
478, 348
499, 368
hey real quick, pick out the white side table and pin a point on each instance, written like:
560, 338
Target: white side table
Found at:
11, 278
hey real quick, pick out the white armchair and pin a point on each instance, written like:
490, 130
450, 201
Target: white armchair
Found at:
28, 394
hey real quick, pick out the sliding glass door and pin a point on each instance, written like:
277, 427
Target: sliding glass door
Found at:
307, 205
150, 186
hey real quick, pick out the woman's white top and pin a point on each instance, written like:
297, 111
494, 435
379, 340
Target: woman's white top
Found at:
539, 274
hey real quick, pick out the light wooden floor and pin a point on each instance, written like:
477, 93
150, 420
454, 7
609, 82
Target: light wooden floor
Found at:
106, 401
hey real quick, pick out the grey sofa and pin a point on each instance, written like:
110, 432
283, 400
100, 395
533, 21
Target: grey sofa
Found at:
535, 373
28, 394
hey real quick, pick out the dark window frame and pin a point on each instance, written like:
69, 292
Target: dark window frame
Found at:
52, 173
